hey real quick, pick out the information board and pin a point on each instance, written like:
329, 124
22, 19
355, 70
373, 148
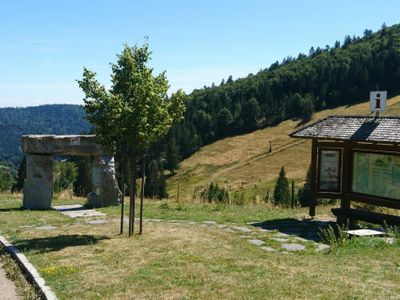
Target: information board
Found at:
329, 170
376, 174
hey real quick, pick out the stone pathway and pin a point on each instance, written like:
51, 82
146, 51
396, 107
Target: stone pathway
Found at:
282, 236
7, 287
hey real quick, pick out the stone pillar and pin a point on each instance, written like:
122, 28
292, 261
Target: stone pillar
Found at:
38, 186
104, 182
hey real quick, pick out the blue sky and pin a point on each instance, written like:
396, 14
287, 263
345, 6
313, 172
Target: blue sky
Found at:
45, 44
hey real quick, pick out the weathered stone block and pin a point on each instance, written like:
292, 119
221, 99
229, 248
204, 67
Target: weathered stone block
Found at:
104, 181
38, 186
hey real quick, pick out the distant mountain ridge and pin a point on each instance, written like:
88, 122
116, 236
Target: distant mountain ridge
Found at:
43, 119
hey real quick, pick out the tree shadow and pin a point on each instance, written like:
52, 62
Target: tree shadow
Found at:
56, 243
307, 229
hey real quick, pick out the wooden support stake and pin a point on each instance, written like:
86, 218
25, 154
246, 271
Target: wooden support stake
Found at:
142, 196
313, 196
132, 198
123, 195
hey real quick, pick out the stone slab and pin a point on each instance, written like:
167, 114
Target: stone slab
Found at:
365, 232
76, 212
322, 247
242, 228
96, 222
256, 242
293, 247
209, 222
62, 144
38, 186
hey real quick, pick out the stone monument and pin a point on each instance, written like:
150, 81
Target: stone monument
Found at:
40, 149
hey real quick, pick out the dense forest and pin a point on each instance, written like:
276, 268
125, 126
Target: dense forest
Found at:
45, 119
294, 88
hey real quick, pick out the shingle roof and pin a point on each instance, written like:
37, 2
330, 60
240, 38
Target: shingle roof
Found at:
355, 128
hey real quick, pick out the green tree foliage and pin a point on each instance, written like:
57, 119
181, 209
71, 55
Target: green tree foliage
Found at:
281, 191
21, 175
65, 174
137, 111
215, 193
172, 155
6, 178
304, 193
155, 186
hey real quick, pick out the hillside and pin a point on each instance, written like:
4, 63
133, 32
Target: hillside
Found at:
327, 77
243, 162
44, 119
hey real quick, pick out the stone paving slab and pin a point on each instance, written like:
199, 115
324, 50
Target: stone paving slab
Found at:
293, 247
242, 228
76, 211
210, 222
96, 222
256, 242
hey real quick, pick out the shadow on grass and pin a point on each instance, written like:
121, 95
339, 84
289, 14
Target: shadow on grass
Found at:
56, 243
11, 209
306, 229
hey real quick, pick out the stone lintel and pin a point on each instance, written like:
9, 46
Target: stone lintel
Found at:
62, 145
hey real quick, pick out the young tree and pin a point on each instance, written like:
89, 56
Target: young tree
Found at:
135, 113
281, 192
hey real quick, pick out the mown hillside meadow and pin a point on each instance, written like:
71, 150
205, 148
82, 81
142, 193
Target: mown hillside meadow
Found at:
244, 163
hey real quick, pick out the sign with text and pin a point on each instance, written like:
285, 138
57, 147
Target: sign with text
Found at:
376, 174
329, 170
377, 100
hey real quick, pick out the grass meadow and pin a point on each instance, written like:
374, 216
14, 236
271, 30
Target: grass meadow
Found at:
179, 257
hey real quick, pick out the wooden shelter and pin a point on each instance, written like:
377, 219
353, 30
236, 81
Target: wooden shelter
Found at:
355, 158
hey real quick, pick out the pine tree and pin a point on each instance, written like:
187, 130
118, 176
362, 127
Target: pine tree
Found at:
305, 192
281, 192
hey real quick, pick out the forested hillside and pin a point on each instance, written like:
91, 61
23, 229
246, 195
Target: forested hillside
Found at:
294, 88
45, 119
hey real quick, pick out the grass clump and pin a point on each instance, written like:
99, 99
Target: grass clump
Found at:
333, 236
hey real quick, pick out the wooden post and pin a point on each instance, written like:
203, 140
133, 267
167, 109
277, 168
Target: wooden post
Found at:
132, 198
123, 194
292, 204
142, 196
313, 194
345, 200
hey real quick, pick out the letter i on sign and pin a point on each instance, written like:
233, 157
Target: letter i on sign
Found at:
377, 101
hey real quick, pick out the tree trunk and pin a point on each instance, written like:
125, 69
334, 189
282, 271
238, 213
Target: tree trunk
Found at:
123, 169
132, 196
142, 197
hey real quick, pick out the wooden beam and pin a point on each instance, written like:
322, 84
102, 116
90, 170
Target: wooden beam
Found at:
313, 196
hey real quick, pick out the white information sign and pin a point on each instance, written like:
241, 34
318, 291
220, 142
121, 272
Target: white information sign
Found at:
377, 100
329, 170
